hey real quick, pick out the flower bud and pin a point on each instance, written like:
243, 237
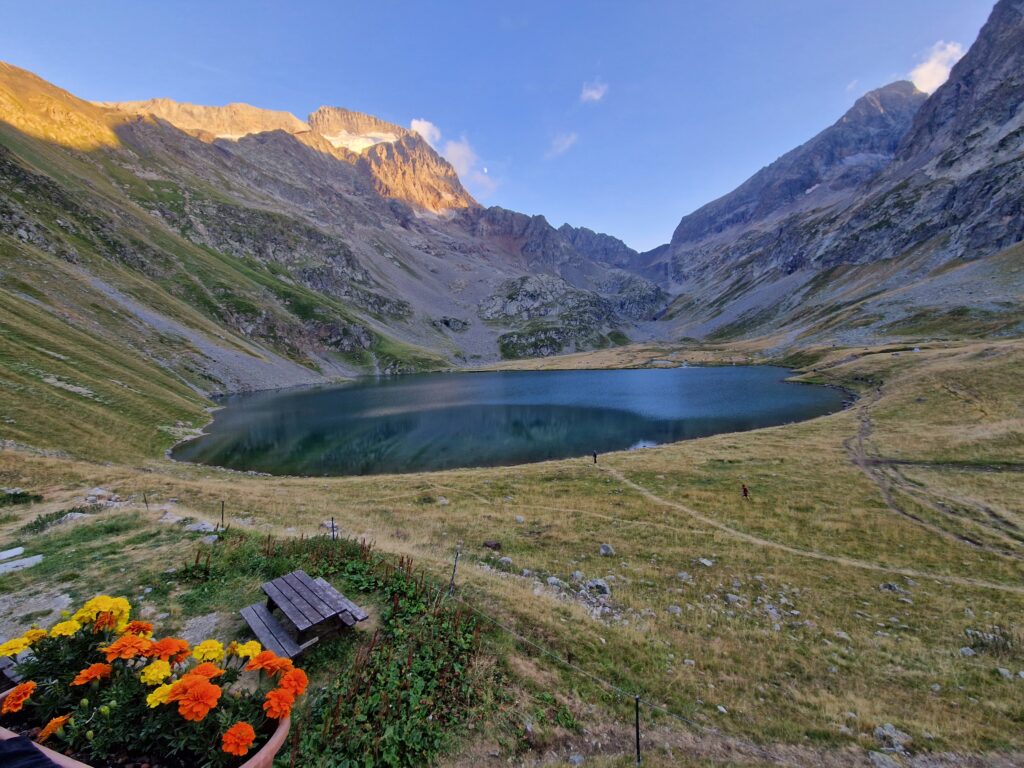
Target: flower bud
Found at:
84, 703
105, 710
89, 735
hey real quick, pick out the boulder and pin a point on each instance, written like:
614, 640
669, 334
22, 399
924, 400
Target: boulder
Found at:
599, 586
606, 550
890, 736
493, 545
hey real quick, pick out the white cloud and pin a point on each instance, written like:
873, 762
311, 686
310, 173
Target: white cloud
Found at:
466, 163
561, 143
460, 154
593, 92
430, 132
852, 85
933, 71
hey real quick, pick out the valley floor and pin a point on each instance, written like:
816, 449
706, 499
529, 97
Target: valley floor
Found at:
791, 628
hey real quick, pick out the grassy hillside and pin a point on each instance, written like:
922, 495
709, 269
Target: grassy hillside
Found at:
837, 599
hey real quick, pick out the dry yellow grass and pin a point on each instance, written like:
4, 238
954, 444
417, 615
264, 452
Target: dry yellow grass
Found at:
832, 518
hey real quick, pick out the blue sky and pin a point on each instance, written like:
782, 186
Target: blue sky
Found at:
617, 116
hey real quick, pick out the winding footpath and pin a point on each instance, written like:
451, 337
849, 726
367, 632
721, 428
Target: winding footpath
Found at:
811, 554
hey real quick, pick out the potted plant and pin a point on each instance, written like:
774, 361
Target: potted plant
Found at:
99, 687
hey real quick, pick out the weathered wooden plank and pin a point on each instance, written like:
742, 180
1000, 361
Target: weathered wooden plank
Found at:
283, 601
8, 675
299, 601
309, 593
326, 592
269, 631
343, 603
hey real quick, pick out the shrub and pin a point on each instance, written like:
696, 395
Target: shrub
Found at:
9, 497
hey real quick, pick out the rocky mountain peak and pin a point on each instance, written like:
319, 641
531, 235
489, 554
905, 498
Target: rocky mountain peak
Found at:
979, 106
818, 173
231, 121
329, 121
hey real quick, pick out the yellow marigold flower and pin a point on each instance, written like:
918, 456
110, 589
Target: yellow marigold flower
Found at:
209, 650
246, 650
155, 672
118, 607
14, 646
34, 635
158, 696
65, 628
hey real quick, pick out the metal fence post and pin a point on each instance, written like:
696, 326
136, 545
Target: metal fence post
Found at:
637, 704
451, 584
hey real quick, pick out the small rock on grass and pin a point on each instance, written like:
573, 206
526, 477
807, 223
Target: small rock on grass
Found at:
889, 735
606, 550
18, 565
200, 628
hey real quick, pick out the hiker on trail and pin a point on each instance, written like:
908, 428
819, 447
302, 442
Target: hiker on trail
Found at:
746, 492
594, 454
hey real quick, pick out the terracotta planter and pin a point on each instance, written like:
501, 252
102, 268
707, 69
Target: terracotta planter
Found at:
262, 759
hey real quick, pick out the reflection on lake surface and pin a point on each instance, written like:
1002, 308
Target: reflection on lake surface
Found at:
441, 421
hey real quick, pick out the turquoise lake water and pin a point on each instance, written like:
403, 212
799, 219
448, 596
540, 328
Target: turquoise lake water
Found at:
447, 420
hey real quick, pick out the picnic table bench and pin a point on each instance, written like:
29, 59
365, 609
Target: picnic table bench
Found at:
312, 607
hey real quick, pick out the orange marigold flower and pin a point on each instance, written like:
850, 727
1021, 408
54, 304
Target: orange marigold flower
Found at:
169, 649
92, 672
270, 663
17, 697
207, 670
52, 727
238, 738
294, 681
279, 703
196, 699
105, 620
128, 647
143, 628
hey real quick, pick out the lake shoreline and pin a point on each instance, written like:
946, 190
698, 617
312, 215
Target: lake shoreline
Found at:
637, 426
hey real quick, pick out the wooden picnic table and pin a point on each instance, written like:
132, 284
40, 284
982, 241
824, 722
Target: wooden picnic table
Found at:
312, 606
